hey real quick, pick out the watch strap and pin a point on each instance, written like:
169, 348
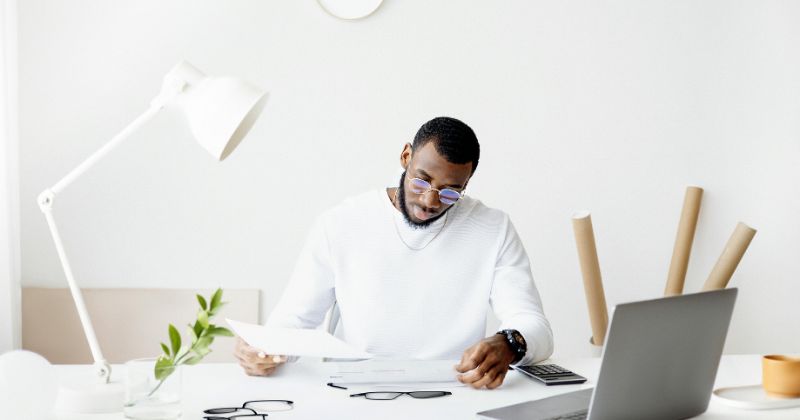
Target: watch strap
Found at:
516, 343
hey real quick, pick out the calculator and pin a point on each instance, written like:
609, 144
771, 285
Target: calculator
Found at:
551, 374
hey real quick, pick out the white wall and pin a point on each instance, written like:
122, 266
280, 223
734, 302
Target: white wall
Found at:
611, 106
9, 182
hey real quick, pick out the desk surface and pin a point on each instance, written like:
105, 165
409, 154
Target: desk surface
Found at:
220, 385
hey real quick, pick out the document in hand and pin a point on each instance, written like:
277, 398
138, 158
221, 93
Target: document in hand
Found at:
295, 342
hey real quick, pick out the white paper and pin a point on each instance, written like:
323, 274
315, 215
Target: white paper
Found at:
389, 372
295, 342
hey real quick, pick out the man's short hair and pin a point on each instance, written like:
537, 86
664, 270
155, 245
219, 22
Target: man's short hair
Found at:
453, 139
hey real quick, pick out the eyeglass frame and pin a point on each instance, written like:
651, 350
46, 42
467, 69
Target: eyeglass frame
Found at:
438, 191
220, 416
399, 393
243, 407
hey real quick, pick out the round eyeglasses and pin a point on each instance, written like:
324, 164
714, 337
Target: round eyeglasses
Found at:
446, 195
249, 410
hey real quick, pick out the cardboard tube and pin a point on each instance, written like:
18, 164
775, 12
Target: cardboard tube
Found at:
590, 269
683, 241
731, 255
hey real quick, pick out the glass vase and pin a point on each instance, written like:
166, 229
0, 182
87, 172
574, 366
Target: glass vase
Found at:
147, 398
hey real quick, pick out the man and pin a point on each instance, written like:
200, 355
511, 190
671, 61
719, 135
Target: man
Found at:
414, 270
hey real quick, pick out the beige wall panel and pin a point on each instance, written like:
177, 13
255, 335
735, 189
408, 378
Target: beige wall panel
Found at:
129, 323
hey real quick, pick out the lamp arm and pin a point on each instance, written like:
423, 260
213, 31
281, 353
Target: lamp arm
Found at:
102, 367
103, 151
46, 200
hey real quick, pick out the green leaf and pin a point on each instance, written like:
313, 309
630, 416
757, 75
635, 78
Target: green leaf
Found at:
202, 301
175, 339
219, 331
203, 342
163, 368
214, 312
202, 318
181, 353
193, 360
216, 298
202, 333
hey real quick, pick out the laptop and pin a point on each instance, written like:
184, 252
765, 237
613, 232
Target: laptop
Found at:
659, 362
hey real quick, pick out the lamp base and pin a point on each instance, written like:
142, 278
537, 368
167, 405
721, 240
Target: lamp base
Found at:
90, 398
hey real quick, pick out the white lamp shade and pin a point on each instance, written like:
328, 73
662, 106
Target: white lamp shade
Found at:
221, 111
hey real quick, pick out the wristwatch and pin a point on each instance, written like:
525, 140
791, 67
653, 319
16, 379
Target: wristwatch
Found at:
516, 342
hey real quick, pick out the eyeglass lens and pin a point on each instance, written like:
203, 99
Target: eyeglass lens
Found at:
446, 196
233, 413
428, 394
250, 409
382, 395
230, 410
269, 405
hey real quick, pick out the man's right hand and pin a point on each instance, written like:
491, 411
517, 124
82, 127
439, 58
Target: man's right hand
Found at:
255, 362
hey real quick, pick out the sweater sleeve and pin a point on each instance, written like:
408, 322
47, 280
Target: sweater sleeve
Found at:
515, 299
310, 291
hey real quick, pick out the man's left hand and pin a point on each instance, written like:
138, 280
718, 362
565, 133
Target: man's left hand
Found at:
486, 363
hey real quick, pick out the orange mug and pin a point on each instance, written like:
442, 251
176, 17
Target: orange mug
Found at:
781, 375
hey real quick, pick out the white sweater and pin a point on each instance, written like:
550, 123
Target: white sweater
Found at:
424, 304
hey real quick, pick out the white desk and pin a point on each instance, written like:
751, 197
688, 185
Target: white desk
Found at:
221, 385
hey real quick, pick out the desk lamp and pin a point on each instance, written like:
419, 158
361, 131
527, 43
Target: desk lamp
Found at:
220, 112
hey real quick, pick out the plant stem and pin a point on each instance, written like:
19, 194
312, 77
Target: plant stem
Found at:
180, 359
176, 365
161, 382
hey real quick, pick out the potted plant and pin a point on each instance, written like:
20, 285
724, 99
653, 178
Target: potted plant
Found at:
153, 385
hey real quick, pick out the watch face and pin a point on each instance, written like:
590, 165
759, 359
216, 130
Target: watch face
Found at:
518, 338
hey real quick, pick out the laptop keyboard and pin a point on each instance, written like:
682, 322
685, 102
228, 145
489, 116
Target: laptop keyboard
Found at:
577, 415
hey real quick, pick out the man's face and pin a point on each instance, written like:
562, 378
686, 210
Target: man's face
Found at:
420, 210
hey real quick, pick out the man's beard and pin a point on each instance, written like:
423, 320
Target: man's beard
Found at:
401, 197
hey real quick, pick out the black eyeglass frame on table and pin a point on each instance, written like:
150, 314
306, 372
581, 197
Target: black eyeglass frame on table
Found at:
215, 412
251, 416
394, 394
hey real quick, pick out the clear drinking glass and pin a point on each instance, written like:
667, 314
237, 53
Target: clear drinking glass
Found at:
147, 398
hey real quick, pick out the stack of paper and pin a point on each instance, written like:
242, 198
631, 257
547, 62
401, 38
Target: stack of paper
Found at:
391, 372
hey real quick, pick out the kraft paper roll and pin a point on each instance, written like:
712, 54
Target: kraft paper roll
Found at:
590, 269
731, 255
683, 241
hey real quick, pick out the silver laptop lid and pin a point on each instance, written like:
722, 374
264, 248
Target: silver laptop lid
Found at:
661, 357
